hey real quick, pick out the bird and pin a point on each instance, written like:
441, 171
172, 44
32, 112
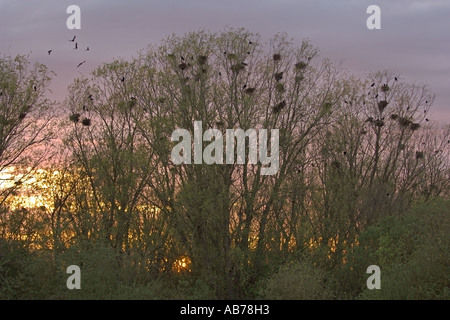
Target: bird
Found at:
376, 96
81, 63
426, 119
87, 49
372, 84
76, 46
122, 79
84, 108
395, 78
73, 39
182, 58
90, 97
250, 42
35, 88
49, 51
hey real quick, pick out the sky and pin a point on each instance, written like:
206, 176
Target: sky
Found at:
414, 39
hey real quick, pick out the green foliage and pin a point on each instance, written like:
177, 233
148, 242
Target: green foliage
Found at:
296, 280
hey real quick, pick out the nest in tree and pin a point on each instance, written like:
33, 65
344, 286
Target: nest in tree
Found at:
280, 87
382, 105
22, 115
86, 122
369, 119
275, 109
249, 91
182, 66
327, 106
276, 57
231, 56
278, 76
394, 116
414, 126
299, 78
300, 65
379, 123
336, 164
385, 88
404, 122
281, 105
237, 67
202, 60
419, 155
132, 102
363, 131
74, 117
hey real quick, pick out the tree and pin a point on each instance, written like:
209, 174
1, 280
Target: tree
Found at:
25, 118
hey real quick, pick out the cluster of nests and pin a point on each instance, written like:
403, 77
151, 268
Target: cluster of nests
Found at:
75, 117
237, 67
402, 121
278, 76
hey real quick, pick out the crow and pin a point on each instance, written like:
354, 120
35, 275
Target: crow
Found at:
87, 49
76, 46
73, 40
395, 78
49, 51
81, 63
122, 79
372, 84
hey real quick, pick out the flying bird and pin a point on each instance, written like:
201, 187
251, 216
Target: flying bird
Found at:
81, 63
372, 84
87, 49
76, 46
395, 78
122, 79
49, 51
73, 40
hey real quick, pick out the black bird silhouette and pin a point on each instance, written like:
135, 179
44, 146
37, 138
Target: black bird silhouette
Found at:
182, 58
250, 42
73, 40
81, 63
122, 79
395, 78
49, 51
84, 108
35, 88
90, 97
372, 84
426, 119
76, 46
87, 49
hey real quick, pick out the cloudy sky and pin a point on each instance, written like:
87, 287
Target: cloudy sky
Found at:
414, 39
